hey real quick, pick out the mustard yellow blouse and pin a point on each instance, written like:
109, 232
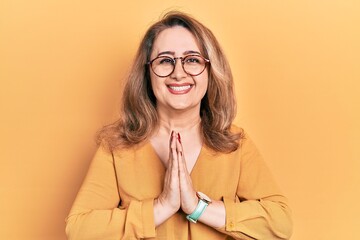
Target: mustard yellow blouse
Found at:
116, 198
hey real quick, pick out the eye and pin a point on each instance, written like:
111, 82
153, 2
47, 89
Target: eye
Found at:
166, 61
193, 60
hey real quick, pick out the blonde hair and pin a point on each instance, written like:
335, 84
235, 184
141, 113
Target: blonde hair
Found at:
138, 111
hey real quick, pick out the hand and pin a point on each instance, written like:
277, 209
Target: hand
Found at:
179, 192
170, 196
188, 200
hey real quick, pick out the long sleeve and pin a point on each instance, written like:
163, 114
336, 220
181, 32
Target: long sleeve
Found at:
259, 210
95, 213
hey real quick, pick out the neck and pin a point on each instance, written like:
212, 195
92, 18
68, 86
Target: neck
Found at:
179, 121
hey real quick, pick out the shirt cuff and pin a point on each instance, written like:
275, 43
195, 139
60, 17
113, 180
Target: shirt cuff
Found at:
230, 209
148, 218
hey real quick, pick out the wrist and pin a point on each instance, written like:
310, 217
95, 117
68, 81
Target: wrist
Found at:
203, 202
192, 206
165, 207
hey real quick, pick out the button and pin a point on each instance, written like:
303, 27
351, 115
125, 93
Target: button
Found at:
231, 224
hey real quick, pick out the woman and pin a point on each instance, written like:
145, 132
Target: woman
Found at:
174, 166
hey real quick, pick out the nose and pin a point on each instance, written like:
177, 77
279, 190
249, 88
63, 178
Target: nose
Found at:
178, 72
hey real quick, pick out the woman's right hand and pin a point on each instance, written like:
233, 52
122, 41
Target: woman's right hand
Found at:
168, 201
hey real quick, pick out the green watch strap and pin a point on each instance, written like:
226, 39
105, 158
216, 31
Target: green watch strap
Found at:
194, 216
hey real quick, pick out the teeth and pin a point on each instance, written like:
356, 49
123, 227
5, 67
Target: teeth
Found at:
180, 88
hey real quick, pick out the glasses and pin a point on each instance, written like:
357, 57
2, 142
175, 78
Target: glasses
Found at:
164, 66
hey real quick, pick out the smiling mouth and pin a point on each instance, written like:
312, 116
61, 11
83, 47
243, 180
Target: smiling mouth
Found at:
179, 89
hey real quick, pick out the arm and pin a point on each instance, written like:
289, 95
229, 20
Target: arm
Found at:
95, 213
214, 215
168, 203
259, 211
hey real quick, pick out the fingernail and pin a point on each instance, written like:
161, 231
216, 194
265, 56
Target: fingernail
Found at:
171, 135
179, 137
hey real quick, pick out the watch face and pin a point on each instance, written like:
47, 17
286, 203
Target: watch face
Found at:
203, 197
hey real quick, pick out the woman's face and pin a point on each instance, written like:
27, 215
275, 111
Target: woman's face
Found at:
179, 90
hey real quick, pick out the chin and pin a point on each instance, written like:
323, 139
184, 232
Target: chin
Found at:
179, 107
183, 107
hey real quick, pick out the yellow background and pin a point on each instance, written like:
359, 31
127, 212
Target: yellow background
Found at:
296, 66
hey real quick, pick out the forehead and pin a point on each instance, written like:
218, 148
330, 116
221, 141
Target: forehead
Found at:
175, 39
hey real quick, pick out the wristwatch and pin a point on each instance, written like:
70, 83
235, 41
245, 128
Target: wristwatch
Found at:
204, 201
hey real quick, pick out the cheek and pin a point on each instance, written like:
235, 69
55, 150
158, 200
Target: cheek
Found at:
205, 90
206, 80
155, 85
203, 84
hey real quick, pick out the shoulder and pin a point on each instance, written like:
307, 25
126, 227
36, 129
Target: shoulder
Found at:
130, 152
236, 129
245, 141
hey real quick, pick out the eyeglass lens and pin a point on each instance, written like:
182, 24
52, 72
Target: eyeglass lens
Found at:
193, 65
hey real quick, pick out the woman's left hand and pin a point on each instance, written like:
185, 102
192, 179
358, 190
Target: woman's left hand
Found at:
188, 198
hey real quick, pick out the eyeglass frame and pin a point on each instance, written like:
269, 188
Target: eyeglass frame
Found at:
207, 61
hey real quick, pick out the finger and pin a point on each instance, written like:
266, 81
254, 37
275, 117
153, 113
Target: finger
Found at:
179, 148
173, 151
170, 161
182, 162
170, 141
183, 172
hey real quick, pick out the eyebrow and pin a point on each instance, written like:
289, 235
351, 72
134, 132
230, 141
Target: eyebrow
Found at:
173, 53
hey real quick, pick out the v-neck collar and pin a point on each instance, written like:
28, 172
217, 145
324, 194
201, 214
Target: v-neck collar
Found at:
148, 146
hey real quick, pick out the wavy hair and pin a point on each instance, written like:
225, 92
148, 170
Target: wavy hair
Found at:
138, 110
